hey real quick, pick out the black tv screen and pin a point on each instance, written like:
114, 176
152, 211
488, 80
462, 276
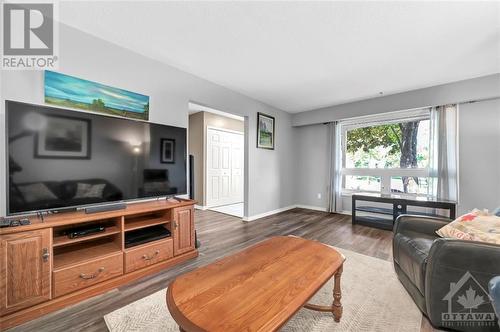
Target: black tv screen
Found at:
60, 158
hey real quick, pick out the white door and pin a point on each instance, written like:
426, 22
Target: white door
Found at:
224, 175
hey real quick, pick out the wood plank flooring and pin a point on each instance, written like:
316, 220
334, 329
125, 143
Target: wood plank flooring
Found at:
221, 235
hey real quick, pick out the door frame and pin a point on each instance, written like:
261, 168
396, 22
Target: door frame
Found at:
205, 149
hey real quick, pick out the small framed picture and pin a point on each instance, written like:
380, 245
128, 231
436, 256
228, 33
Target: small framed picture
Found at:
265, 131
63, 138
167, 151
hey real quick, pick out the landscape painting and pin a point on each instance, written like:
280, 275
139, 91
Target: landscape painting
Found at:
265, 131
69, 91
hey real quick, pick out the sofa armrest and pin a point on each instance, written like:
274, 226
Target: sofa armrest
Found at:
453, 261
420, 224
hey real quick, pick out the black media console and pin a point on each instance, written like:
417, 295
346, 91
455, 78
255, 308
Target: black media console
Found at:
384, 217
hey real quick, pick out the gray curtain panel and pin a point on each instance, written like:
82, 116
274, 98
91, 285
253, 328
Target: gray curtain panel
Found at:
334, 170
444, 151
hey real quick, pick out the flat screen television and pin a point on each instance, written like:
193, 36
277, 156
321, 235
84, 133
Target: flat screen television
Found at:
60, 158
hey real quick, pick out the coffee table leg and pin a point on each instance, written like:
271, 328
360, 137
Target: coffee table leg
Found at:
337, 295
336, 307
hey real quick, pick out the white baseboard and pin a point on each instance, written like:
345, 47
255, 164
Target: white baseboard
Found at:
268, 213
200, 207
311, 207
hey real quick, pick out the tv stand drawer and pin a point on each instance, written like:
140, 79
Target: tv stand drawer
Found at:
76, 277
148, 254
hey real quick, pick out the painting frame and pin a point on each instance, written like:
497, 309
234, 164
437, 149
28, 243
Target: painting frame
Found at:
164, 159
261, 117
42, 137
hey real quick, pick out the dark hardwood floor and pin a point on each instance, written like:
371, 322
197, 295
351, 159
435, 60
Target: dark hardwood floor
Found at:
221, 235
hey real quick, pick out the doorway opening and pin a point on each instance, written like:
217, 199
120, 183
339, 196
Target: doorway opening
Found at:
217, 154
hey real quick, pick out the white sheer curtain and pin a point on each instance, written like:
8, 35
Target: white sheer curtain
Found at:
334, 200
444, 152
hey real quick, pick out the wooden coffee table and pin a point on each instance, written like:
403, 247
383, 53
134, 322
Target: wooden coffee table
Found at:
257, 289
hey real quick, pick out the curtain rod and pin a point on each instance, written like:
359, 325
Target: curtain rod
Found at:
417, 108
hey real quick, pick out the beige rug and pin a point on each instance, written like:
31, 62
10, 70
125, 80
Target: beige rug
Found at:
373, 300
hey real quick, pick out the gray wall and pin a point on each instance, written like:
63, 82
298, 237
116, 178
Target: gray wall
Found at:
479, 139
311, 153
196, 133
473, 89
170, 89
479, 153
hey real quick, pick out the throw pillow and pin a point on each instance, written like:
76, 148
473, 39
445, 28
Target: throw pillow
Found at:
87, 190
497, 212
36, 192
474, 226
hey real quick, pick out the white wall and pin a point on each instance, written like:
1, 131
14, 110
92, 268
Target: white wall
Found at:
269, 181
479, 156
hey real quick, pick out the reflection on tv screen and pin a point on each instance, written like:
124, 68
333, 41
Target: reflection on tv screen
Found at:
60, 158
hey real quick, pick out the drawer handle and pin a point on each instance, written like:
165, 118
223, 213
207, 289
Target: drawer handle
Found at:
92, 275
45, 254
148, 258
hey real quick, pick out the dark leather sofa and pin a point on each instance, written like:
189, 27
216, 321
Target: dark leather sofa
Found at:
64, 192
438, 272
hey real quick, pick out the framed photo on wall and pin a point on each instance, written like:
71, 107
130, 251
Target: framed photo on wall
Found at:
265, 131
63, 138
167, 151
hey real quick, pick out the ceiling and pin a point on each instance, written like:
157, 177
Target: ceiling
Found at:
299, 56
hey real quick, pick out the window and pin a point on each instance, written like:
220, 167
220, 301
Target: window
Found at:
387, 154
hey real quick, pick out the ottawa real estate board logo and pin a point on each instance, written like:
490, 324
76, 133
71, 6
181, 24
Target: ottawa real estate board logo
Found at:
468, 304
30, 35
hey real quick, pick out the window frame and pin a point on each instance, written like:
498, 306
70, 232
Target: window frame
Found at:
385, 174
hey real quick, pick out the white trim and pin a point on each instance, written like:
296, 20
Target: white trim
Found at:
389, 172
227, 130
311, 207
269, 213
200, 207
385, 118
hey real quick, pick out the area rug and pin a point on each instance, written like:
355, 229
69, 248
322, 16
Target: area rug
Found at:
372, 297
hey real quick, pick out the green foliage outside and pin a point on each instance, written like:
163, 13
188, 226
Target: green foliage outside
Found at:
390, 145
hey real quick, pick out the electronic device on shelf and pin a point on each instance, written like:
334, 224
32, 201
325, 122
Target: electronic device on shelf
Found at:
84, 231
145, 235
4, 222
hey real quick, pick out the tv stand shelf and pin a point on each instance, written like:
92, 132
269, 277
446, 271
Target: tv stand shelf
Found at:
64, 240
143, 222
85, 253
66, 270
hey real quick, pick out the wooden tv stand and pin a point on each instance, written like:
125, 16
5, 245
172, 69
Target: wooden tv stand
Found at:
43, 270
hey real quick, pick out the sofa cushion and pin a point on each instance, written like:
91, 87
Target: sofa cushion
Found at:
36, 192
87, 190
474, 226
410, 253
